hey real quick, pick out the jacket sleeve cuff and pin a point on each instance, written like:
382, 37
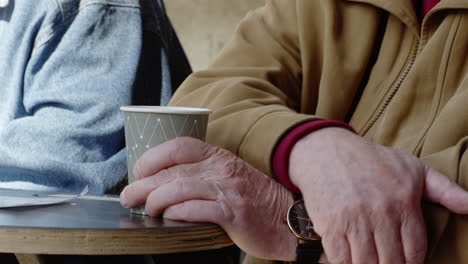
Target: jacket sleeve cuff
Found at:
283, 150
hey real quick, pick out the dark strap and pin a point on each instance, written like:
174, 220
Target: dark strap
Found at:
157, 33
308, 253
178, 63
297, 196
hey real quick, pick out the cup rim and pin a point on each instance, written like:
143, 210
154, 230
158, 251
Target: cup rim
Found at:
165, 109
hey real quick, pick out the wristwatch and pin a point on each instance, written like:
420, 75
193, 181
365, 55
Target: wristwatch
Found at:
309, 246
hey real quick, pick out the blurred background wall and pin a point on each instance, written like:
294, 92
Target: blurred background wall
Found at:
204, 26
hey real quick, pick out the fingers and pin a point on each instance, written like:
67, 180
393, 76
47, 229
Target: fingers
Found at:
392, 240
137, 192
413, 234
388, 242
337, 249
179, 191
196, 211
440, 189
173, 152
361, 240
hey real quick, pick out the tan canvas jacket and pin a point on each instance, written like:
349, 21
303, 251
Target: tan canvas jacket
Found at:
367, 62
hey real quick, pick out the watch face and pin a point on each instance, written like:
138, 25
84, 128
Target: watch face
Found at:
300, 223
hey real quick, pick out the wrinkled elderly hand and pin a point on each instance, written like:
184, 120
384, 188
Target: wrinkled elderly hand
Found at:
365, 199
187, 179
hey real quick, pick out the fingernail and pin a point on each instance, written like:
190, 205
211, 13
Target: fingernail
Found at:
123, 200
124, 204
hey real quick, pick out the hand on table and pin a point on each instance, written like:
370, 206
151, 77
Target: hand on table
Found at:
365, 199
187, 179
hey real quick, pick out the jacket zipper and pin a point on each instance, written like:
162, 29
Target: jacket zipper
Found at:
393, 91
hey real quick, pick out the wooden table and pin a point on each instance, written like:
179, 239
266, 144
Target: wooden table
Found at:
97, 225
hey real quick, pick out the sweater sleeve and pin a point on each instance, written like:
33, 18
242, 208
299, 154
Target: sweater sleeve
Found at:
80, 71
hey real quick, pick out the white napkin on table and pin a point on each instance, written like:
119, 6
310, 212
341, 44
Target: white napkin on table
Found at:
10, 202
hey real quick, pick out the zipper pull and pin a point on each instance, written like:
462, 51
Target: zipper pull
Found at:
3, 3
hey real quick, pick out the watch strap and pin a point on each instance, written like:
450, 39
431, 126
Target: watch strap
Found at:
308, 253
297, 196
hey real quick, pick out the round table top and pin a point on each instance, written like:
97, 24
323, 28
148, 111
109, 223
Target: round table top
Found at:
98, 225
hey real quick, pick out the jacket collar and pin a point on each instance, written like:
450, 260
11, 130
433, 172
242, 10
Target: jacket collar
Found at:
404, 9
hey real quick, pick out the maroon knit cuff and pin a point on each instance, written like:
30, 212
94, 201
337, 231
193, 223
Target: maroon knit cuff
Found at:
283, 150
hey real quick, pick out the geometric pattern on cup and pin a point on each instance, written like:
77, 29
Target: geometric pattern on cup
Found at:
141, 142
146, 130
